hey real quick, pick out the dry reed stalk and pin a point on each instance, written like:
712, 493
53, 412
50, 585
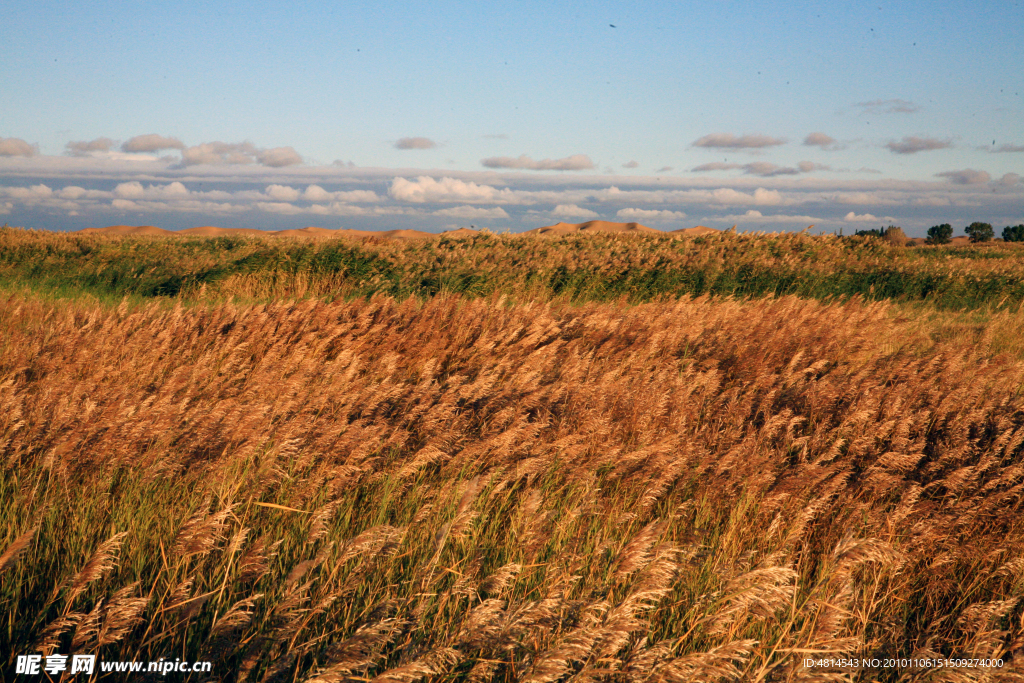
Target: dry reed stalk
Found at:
121, 615
10, 556
96, 567
721, 663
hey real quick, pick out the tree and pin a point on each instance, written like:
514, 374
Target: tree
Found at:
1014, 233
980, 232
871, 232
940, 234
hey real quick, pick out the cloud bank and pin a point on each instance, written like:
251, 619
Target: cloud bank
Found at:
763, 169
729, 141
84, 148
576, 162
151, 143
415, 143
242, 185
238, 153
825, 142
16, 147
913, 145
967, 176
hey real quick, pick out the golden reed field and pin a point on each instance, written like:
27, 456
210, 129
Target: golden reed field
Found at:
460, 488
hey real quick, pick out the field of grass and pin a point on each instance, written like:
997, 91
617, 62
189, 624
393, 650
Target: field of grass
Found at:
523, 469
588, 267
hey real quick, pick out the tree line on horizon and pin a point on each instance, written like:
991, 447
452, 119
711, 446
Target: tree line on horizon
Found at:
943, 233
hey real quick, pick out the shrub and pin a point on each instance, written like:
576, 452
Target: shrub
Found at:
980, 232
940, 234
895, 235
1014, 233
873, 232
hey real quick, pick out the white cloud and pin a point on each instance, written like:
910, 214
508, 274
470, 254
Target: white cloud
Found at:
83, 148
1009, 179
967, 176
356, 196
664, 169
219, 153
280, 208
334, 209
649, 215
189, 206
278, 157
315, 193
151, 143
472, 212
135, 190
631, 164
865, 218
130, 190
862, 198
72, 192
415, 143
427, 189
729, 141
1003, 149
16, 147
722, 195
913, 145
754, 215
763, 197
576, 162
572, 211
6, 207
767, 170
173, 190
282, 193
29, 195
239, 153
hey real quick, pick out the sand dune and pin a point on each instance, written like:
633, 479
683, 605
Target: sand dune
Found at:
460, 232
213, 231
128, 230
311, 232
590, 226
695, 231
406, 235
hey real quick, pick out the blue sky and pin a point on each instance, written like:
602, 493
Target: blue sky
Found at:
850, 114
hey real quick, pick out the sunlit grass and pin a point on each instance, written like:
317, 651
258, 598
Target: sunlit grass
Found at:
465, 488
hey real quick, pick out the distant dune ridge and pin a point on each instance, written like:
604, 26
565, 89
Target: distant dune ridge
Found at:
590, 226
555, 230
